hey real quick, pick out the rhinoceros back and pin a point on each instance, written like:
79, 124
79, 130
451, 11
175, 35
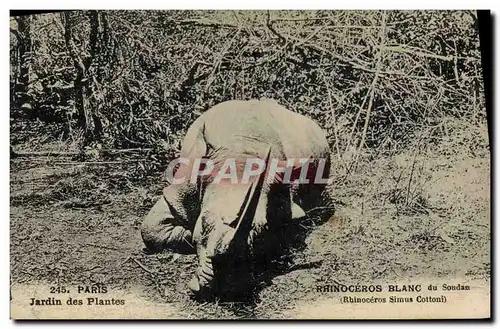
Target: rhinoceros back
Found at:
248, 128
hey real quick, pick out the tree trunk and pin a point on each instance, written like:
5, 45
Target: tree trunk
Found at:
25, 47
87, 119
79, 93
95, 47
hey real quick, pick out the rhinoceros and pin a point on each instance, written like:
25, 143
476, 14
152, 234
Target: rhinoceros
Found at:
229, 225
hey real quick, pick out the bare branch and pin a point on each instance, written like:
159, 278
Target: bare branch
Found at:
204, 22
378, 66
271, 28
423, 53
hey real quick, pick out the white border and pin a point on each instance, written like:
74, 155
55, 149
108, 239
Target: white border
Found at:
188, 4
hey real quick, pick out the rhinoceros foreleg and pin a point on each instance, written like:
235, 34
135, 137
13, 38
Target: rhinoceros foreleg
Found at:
161, 230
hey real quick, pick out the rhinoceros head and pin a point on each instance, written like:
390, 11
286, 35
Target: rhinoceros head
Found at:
222, 243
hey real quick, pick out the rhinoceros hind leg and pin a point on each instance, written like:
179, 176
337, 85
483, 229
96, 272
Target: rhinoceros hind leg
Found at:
161, 231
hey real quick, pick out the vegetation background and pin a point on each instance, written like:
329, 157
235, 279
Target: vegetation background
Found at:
100, 102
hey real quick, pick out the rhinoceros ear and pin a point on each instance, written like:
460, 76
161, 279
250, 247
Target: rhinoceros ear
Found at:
248, 208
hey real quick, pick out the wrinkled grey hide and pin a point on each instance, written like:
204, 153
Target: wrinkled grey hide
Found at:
205, 217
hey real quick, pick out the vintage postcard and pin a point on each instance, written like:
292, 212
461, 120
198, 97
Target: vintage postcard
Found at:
180, 164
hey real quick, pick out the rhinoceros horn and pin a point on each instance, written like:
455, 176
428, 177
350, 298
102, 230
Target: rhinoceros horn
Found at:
246, 214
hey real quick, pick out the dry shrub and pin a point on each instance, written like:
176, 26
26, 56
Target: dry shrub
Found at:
370, 78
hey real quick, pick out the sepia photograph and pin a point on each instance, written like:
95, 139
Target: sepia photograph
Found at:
249, 164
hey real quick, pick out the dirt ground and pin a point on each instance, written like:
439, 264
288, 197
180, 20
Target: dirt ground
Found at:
415, 215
